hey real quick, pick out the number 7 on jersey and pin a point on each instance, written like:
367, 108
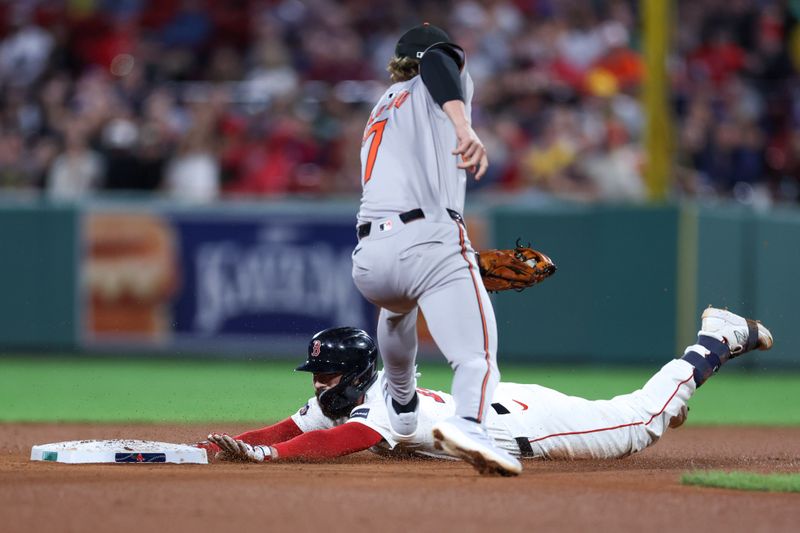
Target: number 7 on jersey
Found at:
376, 129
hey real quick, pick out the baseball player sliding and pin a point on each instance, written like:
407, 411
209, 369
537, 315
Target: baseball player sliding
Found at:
414, 252
348, 413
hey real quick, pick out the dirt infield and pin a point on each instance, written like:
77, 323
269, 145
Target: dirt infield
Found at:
367, 492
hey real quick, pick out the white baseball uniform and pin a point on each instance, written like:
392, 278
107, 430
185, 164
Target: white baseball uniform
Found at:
427, 263
534, 421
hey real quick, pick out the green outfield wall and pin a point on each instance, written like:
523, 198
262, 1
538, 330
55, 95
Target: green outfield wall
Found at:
772, 253
613, 298
38, 277
630, 285
632, 281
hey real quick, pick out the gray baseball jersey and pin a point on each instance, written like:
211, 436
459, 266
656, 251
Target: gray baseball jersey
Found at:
426, 263
406, 153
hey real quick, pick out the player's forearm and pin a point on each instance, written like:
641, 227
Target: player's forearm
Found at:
328, 443
470, 148
456, 112
282, 431
267, 436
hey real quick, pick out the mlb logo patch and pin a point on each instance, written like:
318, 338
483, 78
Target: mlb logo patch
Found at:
386, 226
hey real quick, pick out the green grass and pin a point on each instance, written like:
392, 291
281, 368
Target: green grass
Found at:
40, 389
743, 481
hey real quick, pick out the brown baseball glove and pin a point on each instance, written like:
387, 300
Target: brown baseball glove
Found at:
515, 269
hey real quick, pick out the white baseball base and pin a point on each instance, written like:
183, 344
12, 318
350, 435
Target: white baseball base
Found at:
118, 451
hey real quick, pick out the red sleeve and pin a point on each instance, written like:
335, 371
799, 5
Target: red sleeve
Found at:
282, 431
329, 443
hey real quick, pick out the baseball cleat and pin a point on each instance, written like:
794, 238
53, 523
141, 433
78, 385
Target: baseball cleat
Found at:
740, 334
403, 425
469, 441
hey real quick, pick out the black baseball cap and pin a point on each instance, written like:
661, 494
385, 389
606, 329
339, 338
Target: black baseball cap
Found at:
418, 39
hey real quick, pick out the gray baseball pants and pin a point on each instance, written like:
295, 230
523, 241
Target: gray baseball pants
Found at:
429, 264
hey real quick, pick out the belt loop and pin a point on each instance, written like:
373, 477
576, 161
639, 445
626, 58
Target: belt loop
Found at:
363, 230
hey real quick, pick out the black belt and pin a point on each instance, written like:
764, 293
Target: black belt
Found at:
405, 218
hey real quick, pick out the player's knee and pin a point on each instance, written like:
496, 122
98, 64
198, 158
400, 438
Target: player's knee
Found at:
477, 365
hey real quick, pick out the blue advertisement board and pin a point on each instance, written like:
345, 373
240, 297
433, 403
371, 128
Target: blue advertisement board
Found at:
218, 280
270, 275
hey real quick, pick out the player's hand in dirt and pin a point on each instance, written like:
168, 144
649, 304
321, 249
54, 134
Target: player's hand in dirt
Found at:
471, 149
211, 449
238, 450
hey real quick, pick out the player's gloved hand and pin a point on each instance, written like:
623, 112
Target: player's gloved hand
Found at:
238, 450
472, 151
515, 269
210, 448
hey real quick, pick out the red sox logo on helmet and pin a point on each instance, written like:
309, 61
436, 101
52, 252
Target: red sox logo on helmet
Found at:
315, 349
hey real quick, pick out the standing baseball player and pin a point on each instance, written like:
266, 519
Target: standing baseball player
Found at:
414, 252
348, 413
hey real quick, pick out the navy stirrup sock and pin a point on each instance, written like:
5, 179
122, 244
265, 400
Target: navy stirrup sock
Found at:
707, 356
407, 408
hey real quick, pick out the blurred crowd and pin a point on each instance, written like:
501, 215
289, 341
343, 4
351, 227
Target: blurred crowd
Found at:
202, 99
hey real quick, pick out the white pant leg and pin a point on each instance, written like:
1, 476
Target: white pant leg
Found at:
567, 427
397, 342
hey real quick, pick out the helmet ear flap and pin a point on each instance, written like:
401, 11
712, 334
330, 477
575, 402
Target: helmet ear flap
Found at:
364, 376
338, 401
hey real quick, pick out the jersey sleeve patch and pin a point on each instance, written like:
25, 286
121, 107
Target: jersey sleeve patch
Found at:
373, 414
361, 412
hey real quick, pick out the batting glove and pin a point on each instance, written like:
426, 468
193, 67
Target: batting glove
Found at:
238, 450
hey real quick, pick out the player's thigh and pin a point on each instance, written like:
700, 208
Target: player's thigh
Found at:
429, 257
376, 275
460, 317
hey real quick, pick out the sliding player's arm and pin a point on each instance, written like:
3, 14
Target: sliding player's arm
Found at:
313, 445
